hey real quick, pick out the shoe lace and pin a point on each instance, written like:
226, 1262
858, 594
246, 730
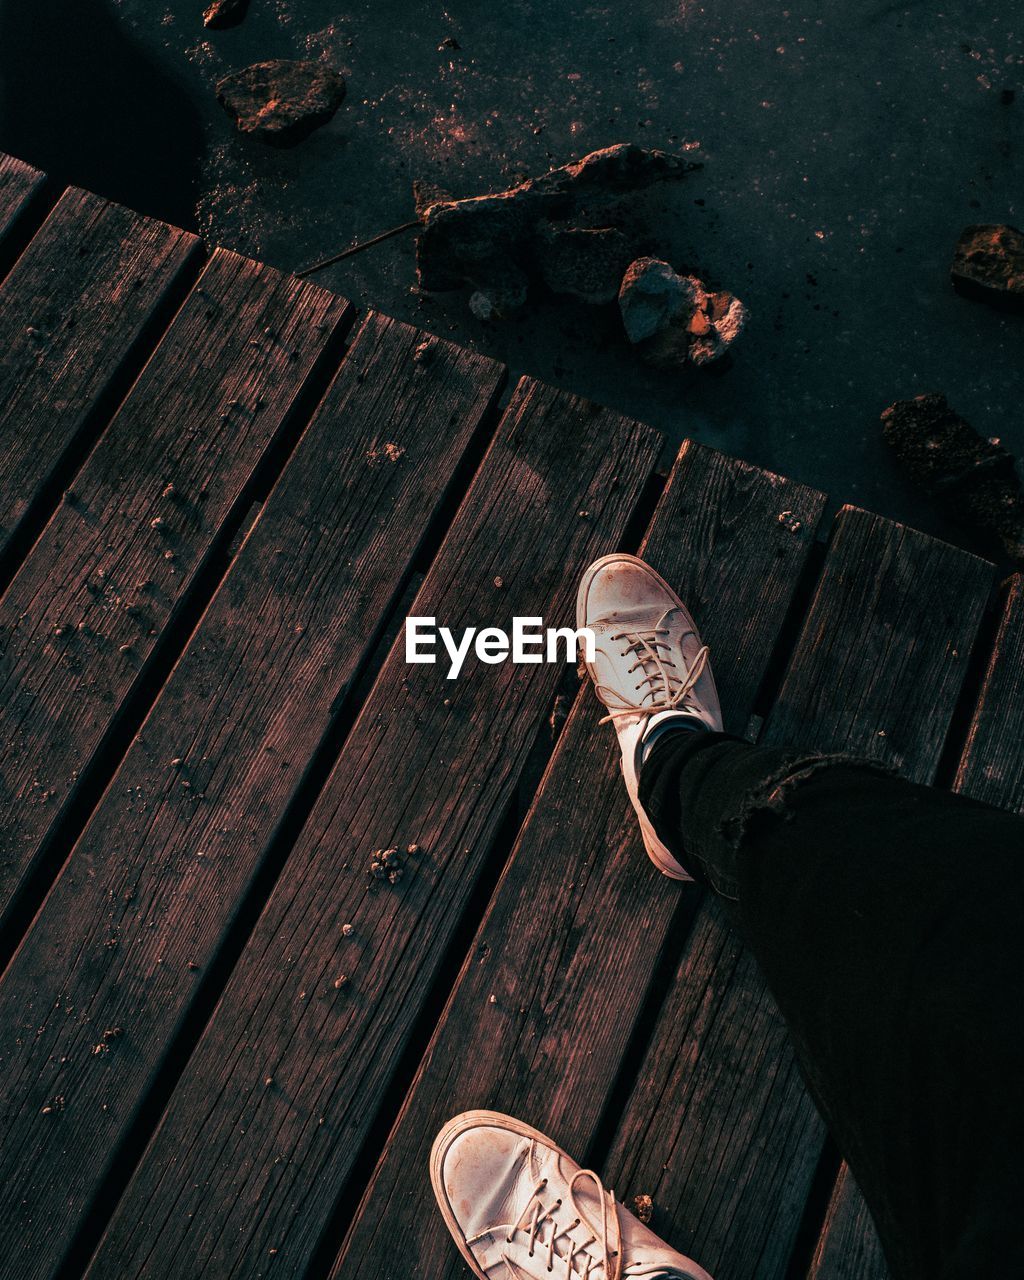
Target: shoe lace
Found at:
666, 689
535, 1215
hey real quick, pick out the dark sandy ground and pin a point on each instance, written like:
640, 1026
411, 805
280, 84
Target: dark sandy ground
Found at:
845, 147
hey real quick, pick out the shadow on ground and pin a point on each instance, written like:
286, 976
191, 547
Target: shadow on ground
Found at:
84, 101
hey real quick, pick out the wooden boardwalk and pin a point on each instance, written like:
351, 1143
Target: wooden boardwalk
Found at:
224, 1049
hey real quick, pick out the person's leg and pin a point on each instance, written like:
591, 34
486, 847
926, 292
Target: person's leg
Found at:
887, 920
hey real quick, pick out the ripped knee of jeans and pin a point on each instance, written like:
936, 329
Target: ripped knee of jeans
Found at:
772, 796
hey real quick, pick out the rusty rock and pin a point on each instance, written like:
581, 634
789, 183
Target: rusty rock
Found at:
988, 263
281, 102
225, 13
674, 319
975, 479
643, 1207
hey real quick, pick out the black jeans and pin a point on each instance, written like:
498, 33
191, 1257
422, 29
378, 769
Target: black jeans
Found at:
888, 919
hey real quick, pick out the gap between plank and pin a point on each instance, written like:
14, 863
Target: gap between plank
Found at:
538, 760
105, 407
677, 937
815, 1211
789, 633
27, 222
679, 932
322, 760
967, 704
105, 760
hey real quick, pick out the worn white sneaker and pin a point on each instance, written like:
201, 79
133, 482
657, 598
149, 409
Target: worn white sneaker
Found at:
521, 1209
649, 669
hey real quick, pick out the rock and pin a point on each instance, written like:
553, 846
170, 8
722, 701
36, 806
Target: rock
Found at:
975, 479
643, 1207
651, 296
583, 263
281, 102
723, 318
490, 243
225, 13
674, 319
988, 263
481, 306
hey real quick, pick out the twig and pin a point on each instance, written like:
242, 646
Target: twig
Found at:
358, 248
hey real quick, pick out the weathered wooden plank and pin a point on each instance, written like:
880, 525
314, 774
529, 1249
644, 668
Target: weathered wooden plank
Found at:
568, 955
267, 1120
20, 189
719, 1129
991, 769
992, 765
117, 561
77, 311
848, 1245
120, 948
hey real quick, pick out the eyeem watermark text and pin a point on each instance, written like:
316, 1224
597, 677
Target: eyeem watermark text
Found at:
529, 642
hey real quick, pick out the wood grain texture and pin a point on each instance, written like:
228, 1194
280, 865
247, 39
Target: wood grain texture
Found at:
20, 187
848, 1245
719, 1129
76, 309
267, 1121
116, 562
992, 765
991, 769
127, 933
575, 930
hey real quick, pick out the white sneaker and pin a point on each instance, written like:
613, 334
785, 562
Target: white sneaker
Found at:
649, 669
521, 1209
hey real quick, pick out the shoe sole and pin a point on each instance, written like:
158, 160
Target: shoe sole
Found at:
662, 859
442, 1143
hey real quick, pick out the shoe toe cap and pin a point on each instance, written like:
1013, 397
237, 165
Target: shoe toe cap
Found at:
478, 1168
620, 584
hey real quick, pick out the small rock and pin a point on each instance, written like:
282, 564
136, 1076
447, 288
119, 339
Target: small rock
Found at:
672, 319
988, 263
449, 42
973, 478
225, 13
281, 102
651, 296
480, 305
643, 1208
